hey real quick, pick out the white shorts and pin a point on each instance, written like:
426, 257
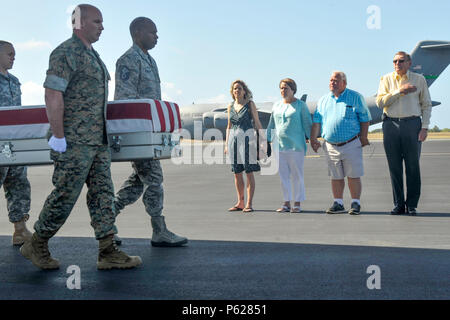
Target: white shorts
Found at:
344, 161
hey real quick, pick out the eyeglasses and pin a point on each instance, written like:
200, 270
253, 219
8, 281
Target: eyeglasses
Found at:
398, 61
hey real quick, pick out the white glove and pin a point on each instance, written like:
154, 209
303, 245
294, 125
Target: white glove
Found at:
58, 144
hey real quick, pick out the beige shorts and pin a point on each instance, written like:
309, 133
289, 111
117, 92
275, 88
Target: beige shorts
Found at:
344, 161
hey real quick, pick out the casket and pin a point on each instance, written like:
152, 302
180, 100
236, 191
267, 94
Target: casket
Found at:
137, 129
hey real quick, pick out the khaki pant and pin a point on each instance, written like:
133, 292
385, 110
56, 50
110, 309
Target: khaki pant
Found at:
344, 161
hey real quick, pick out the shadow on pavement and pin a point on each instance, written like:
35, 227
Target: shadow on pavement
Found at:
224, 270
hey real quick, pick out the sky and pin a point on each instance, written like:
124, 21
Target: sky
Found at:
205, 45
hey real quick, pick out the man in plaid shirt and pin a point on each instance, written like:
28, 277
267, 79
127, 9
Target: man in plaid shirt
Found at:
343, 116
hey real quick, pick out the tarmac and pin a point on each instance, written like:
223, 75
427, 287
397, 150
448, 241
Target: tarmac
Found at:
261, 255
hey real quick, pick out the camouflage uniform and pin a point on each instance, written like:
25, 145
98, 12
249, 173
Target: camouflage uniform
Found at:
80, 74
137, 77
14, 179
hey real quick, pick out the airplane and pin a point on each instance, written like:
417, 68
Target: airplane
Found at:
429, 58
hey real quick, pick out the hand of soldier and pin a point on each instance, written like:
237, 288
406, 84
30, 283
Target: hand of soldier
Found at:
58, 144
225, 149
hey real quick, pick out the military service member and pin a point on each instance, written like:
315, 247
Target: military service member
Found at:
13, 179
76, 97
137, 77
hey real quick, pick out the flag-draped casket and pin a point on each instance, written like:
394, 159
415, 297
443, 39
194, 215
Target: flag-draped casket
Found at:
137, 129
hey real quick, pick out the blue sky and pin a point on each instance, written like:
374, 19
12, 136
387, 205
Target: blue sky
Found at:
204, 45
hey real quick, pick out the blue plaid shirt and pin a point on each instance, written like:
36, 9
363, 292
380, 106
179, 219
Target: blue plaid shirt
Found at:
340, 117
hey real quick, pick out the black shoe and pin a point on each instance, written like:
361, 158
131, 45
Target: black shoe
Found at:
412, 211
398, 210
336, 208
355, 209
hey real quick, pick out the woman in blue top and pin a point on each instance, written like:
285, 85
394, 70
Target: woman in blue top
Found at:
290, 123
241, 142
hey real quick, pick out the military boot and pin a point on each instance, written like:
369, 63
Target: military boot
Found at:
21, 233
164, 238
109, 256
36, 250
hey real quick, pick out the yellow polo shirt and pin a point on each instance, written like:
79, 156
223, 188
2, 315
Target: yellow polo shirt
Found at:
398, 105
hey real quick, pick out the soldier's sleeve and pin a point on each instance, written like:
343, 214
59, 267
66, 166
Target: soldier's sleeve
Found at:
127, 79
18, 94
60, 71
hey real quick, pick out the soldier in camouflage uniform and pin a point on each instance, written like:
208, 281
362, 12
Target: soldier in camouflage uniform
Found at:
76, 98
13, 179
137, 77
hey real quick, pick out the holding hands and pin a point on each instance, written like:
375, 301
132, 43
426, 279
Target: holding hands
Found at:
315, 144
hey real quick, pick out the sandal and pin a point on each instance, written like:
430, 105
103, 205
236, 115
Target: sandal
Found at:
249, 209
235, 209
284, 209
296, 209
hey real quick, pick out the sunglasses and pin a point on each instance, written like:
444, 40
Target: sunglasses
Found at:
398, 61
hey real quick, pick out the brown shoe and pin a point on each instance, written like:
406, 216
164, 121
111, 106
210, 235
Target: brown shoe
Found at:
36, 250
21, 233
110, 257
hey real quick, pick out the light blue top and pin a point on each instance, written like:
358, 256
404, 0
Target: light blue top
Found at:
292, 125
340, 117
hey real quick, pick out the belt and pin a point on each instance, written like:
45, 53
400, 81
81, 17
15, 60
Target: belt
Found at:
343, 143
400, 119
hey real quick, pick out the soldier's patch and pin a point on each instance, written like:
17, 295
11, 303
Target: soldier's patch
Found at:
124, 73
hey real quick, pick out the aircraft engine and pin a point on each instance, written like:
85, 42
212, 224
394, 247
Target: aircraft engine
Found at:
208, 120
220, 120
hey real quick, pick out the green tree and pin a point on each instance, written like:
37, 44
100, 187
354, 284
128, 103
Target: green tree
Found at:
435, 129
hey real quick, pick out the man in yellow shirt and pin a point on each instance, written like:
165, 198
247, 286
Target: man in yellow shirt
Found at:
404, 97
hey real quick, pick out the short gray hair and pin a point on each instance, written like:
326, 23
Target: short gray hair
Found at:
341, 74
403, 53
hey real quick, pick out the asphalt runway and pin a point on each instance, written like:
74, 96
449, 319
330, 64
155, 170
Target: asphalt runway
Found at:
259, 255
